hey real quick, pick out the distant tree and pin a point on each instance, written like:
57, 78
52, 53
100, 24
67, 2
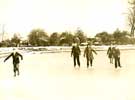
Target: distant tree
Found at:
104, 38
132, 40
80, 34
126, 37
131, 17
91, 40
121, 37
16, 39
54, 39
66, 38
25, 43
38, 37
6, 43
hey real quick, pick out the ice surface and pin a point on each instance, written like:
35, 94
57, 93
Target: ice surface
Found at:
51, 76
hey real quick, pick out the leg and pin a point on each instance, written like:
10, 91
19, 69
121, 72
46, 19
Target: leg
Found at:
87, 62
14, 65
112, 60
119, 62
17, 68
109, 56
78, 60
74, 61
91, 61
115, 62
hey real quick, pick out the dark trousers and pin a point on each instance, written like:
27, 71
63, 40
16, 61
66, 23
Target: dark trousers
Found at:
117, 62
16, 68
76, 58
89, 60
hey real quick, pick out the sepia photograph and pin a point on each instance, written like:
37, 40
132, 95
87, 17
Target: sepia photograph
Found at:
67, 49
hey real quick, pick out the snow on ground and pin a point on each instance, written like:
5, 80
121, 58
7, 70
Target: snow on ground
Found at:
51, 76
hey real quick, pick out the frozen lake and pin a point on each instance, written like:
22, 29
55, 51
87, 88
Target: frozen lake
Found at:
51, 76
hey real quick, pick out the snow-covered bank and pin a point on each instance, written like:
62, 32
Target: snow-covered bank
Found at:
56, 49
68, 48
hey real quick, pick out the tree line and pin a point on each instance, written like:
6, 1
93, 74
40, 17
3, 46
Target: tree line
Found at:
38, 37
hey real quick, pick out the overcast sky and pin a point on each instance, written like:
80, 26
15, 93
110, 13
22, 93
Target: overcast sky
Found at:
92, 16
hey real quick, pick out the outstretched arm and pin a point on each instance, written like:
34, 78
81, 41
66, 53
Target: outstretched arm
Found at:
8, 57
20, 56
94, 51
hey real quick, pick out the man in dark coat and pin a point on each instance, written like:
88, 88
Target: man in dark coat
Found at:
15, 56
76, 53
88, 52
116, 55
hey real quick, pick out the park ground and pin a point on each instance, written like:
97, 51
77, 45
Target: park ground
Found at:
52, 76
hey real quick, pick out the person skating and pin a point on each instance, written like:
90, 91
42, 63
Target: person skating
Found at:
88, 53
116, 55
110, 54
76, 54
15, 56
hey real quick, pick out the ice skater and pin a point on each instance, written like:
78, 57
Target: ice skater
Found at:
110, 54
88, 53
116, 55
15, 56
76, 52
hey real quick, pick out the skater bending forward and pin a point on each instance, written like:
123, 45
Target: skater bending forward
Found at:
15, 56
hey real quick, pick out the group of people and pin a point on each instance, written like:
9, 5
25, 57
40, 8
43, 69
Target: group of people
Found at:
112, 52
88, 53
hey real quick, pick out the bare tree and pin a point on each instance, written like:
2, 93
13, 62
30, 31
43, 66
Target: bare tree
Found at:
131, 17
16, 39
54, 39
80, 36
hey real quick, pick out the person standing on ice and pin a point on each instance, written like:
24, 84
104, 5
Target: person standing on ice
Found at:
110, 54
88, 53
76, 52
116, 55
15, 56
